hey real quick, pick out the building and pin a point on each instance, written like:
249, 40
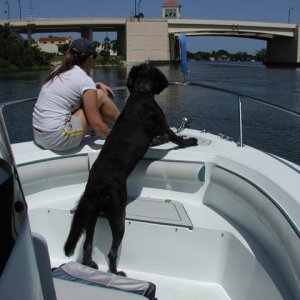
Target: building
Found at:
52, 44
106, 45
171, 9
55, 44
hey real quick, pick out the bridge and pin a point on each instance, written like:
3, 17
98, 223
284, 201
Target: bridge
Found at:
142, 39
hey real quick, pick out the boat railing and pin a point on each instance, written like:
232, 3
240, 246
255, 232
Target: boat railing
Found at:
239, 96
14, 102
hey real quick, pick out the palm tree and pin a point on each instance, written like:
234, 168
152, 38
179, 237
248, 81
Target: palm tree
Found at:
5, 31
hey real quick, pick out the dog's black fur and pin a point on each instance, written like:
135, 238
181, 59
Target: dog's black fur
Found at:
140, 122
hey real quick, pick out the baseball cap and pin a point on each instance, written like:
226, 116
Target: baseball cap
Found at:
83, 47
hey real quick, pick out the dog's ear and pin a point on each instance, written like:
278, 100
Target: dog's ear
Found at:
133, 73
160, 81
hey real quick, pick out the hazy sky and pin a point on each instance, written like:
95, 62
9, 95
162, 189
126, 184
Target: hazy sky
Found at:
254, 10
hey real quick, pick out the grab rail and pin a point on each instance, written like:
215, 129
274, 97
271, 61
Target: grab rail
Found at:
240, 96
3, 104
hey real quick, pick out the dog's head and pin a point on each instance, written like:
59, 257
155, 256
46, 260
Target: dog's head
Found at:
146, 78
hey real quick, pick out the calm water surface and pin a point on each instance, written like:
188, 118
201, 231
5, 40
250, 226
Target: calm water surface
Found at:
269, 130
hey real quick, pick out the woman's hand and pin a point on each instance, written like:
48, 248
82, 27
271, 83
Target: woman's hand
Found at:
106, 89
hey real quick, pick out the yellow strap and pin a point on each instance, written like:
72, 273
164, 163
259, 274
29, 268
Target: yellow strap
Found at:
71, 133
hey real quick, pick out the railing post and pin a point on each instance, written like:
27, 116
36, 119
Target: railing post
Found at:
241, 142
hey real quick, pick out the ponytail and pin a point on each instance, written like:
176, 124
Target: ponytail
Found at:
71, 58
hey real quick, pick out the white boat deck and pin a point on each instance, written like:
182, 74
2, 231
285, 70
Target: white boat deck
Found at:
153, 250
210, 231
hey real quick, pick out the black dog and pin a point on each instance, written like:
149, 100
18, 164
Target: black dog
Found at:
140, 122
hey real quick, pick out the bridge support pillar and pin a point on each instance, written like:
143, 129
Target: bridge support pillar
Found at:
147, 40
87, 33
121, 42
284, 51
173, 41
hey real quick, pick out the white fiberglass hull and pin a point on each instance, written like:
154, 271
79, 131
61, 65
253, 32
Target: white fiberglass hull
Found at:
216, 221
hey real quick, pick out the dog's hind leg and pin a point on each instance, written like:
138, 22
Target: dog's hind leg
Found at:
77, 227
88, 243
117, 225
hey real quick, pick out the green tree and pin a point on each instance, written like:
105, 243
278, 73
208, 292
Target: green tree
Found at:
15, 52
261, 54
222, 52
242, 56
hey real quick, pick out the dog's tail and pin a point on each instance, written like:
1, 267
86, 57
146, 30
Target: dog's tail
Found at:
78, 226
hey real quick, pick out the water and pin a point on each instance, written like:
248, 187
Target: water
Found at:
266, 129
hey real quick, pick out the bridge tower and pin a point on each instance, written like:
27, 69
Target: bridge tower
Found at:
171, 9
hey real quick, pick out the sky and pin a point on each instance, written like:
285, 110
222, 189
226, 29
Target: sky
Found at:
278, 11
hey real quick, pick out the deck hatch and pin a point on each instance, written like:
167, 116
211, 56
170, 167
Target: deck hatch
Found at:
158, 211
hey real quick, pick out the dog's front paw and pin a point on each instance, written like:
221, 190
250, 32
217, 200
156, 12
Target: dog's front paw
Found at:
188, 142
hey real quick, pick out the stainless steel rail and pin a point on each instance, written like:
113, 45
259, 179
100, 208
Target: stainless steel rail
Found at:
3, 104
240, 97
